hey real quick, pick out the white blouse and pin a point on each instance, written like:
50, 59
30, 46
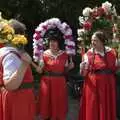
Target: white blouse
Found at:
10, 63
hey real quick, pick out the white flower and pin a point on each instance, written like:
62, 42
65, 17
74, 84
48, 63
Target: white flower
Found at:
68, 42
68, 32
80, 39
39, 28
107, 6
81, 20
35, 58
114, 11
87, 11
54, 21
80, 32
70, 51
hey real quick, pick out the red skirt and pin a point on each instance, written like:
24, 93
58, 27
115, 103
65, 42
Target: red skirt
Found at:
99, 98
53, 100
1, 111
18, 105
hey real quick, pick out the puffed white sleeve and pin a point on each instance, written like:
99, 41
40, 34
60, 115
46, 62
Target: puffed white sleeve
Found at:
10, 63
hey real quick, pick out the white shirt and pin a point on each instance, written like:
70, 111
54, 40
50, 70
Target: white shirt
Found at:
10, 63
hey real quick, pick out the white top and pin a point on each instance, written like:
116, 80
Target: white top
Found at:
10, 63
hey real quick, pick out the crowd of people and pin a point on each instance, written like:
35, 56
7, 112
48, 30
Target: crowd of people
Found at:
17, 101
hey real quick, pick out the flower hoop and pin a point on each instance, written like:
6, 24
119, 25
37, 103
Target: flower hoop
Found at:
38, 37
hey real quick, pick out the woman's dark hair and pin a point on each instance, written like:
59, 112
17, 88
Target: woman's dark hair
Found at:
101, 36
56, 35
17, 26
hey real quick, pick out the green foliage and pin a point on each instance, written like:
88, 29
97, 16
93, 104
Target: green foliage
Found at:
102, 23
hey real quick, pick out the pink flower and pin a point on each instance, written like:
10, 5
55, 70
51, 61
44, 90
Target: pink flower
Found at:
67, 36
87, 25
37, 32
94, 13
97, 12
38, 36
45, 27
100, 11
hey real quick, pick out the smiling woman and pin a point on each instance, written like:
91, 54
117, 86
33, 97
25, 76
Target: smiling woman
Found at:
99, 67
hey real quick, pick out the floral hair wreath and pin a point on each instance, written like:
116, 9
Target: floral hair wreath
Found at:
38, 37
7, 34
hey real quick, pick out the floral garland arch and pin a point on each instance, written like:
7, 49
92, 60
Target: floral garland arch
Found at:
38, 37
99, 18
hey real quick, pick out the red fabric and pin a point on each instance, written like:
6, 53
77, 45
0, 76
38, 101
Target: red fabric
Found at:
99, 93
1, 82
1, 45
1, 110
19, 104
53, 92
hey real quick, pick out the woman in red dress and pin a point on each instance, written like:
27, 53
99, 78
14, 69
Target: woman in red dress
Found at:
53, 102
99, 64
17, 83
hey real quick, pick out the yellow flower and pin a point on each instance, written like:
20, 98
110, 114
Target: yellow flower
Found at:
7, 30
9, 37
19, 40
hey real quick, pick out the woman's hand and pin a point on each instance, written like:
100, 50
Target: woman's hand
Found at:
71, 65
84, 68
39, 69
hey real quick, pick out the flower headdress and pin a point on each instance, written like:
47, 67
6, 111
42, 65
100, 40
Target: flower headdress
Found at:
98, 18
6, 32
8, 36
19, 41
38, 37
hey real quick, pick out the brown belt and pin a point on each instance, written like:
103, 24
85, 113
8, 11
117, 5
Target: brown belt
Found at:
102, 71
26, 85
22, 86
46, 73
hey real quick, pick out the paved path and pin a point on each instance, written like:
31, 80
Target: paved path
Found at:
73, 109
